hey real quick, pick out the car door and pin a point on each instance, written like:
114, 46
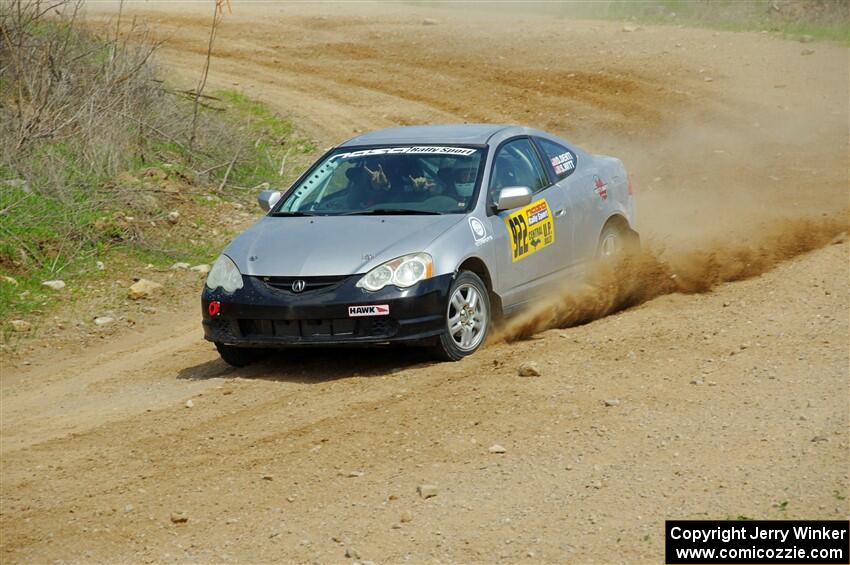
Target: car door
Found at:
571, 177
526, 238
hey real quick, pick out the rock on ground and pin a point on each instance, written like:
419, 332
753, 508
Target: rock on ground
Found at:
528, 370
20, 325
143, 288
54, 285
427, 491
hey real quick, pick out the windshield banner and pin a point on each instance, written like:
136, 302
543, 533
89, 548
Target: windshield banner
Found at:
418, 150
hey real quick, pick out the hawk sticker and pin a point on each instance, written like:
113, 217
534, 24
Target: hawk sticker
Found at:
530, 229
373, 310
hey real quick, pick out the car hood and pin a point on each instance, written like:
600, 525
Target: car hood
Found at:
331, 245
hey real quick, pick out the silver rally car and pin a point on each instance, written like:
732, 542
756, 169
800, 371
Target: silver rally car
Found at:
422, 235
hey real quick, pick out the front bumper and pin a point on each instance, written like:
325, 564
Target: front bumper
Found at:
260, 315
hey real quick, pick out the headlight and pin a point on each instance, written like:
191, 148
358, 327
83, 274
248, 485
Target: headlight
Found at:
224, 274
402, 272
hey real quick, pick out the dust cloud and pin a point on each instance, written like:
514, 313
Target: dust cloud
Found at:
648, 274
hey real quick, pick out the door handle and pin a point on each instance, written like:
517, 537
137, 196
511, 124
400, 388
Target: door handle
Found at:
561, 212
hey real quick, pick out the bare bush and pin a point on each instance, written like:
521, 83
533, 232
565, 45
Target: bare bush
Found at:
75, 109
82, 117
67, 84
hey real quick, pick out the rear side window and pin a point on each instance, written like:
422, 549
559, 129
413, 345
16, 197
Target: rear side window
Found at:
561, 159
517, 164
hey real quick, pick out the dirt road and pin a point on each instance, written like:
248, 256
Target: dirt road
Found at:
725, 404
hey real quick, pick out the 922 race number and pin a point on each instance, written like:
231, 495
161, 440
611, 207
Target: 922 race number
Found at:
531, 229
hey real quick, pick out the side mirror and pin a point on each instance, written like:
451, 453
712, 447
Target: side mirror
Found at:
268, 198
513, 197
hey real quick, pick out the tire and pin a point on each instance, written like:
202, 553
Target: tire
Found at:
616, 240
465, 330
237, 356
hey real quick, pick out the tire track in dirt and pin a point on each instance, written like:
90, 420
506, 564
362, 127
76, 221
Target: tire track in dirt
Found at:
210, 460
497, 89
397, 69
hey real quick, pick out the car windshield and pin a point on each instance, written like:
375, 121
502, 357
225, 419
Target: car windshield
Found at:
433, 179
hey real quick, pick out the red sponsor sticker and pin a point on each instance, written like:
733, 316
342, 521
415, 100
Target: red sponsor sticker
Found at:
601, 188
372, 310
537, 213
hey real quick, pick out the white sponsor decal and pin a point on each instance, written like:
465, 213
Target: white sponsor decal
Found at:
563, 163
374, 310
477, 228
419, 150
479, 231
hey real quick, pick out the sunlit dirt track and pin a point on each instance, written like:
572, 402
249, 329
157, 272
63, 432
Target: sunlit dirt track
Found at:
729, 403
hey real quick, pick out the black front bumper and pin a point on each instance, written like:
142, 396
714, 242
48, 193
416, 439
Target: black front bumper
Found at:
263, 315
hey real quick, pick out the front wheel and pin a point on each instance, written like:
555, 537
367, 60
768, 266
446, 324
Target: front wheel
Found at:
467, 318
237, 356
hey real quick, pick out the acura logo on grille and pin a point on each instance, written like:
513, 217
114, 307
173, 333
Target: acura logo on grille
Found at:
298, 286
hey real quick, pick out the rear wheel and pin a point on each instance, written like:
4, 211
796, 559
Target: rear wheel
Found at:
467, 318
616, 240
237, 356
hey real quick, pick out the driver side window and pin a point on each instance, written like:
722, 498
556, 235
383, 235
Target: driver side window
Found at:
517, 164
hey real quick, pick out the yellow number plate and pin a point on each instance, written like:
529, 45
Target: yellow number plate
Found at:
530, 229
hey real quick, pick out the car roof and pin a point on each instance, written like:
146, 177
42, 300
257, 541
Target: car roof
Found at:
467, 134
